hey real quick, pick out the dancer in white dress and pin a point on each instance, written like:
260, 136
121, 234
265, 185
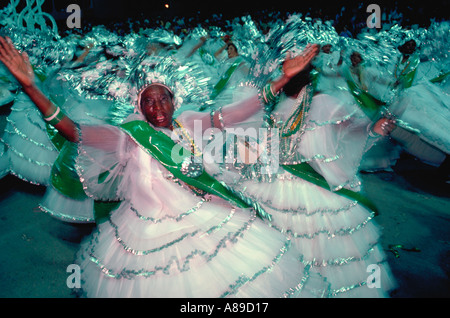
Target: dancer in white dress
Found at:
164, 240
313, 195
423, 109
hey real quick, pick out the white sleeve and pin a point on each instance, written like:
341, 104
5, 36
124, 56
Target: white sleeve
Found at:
248, 106
103, 153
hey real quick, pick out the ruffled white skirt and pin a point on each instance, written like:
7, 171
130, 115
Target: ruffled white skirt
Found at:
208, 250
425, 108
166, 241
66, 208
30, 150
334, 235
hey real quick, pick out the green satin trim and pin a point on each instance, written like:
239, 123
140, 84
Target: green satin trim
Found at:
306, 172
440, 78
407, 79
369, 104
103, 209
160, 146
225, 78
55, 137
64, 177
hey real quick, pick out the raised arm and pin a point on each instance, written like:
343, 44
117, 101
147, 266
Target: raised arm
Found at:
226, 39
19, 66
291, 67
242, 110
196, 47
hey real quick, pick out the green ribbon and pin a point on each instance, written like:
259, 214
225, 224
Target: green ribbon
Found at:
409, 71
306, 172
160, 146
66, 180
64, 177
440, 78
225, 78
368, 104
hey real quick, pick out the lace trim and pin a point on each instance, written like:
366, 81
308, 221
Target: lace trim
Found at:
23, 156
168, 217
329, 234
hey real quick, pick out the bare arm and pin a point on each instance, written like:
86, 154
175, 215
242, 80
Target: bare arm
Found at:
219, 51
87, 49
242, 110
19, 66
199, 45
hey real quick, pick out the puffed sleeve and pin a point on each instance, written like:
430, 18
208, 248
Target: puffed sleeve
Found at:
103, 156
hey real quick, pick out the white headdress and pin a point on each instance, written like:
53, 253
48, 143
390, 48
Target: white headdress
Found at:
124, 79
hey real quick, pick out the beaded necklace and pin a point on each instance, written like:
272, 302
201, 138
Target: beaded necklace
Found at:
404, 69
185, 135
295, 121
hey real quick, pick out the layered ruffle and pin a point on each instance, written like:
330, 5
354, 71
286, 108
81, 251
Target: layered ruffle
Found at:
166, 241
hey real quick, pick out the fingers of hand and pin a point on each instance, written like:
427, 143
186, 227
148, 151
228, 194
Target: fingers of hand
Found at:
387, 126
3, 53
7, 51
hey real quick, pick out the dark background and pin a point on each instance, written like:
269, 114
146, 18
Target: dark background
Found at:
117, 12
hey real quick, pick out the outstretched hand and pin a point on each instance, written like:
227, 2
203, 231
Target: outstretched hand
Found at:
17, 63
293, 66
384, 126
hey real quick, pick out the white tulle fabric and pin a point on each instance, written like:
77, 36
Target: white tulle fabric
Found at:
333, 138
165, 241
425, 108
333, 234
81, 110
28, 146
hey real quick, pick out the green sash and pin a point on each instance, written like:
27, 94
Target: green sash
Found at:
55, 137
225, 78
315, 77
440, 78
409, 72
65, 179
306, 172
369, 104
408, 79
160, 146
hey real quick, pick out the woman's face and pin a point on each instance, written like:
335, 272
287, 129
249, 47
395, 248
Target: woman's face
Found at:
410, 47
356, 59
231, 51
326, 48
156, 106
